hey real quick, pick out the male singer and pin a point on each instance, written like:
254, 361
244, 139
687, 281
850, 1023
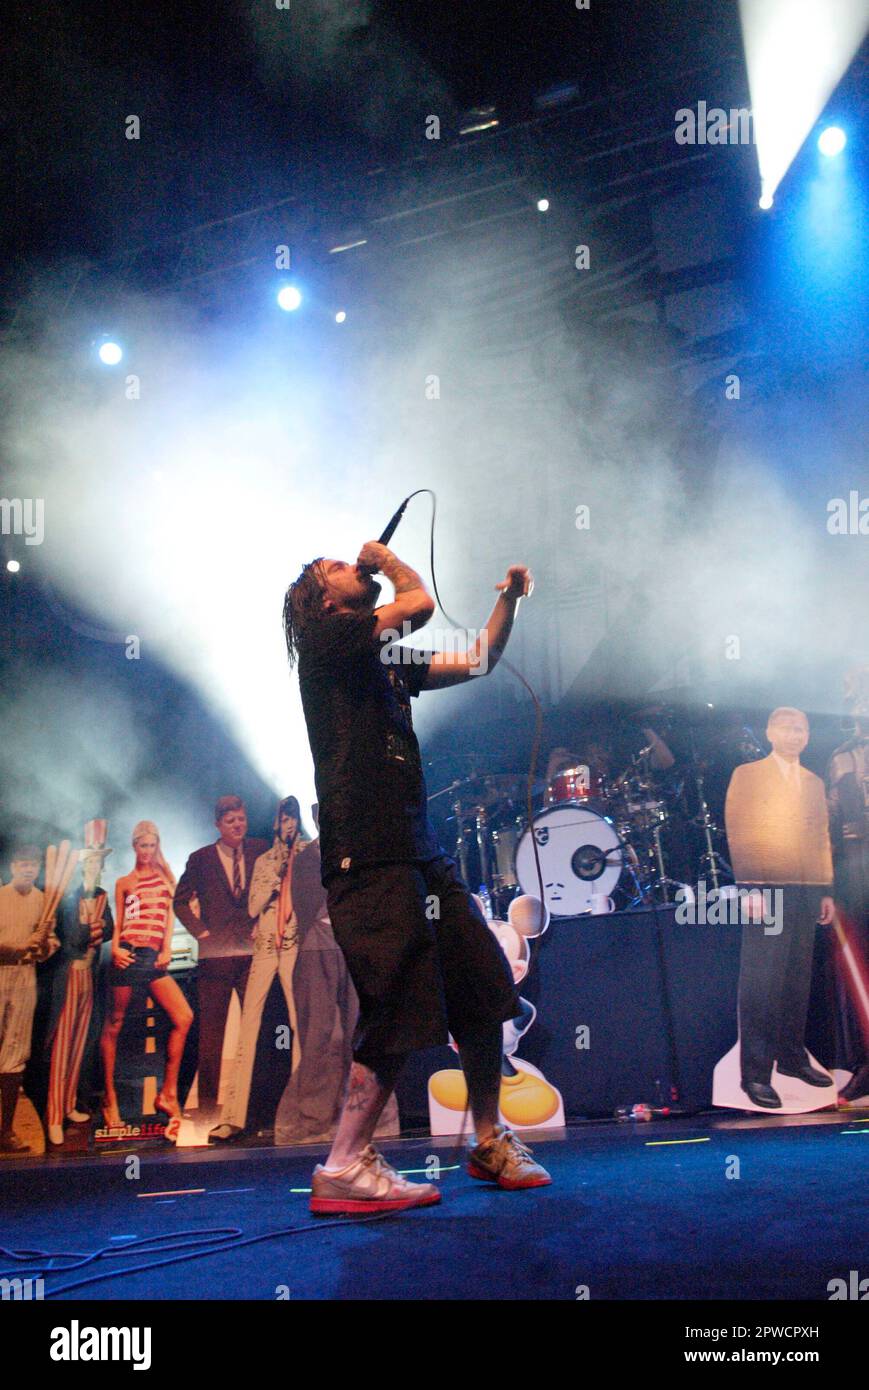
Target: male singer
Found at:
776, 819
419, 952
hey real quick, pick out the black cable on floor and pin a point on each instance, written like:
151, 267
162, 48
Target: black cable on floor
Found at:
217, 1233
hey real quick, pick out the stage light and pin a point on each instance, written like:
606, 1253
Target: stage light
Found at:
765, 201
110, 353
832, 141
13, 566
340, 316
542, 204
561, 95
477, 119
796, 52
289, 298
348, 246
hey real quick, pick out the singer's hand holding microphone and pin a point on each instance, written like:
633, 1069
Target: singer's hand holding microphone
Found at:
374, 557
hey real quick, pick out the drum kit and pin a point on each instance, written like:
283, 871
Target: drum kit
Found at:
597, 844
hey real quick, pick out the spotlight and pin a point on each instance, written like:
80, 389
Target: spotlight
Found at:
795, 61
110, 353
13, 566
340, 316
832, 141
765, 201
542, 204
289, 298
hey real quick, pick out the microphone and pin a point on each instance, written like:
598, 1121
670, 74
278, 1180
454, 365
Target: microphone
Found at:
389, 529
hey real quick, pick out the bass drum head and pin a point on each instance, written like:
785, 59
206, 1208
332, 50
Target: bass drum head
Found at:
580, 856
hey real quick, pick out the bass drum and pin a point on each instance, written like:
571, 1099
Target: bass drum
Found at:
581, 856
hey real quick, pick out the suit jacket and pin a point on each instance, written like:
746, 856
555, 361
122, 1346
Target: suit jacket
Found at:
74, 942
226, 921
777, 830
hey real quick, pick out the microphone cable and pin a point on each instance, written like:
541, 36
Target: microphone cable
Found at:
535, 745
514, 670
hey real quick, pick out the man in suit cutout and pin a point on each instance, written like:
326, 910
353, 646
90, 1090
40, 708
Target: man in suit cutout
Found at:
218, 876
776, 820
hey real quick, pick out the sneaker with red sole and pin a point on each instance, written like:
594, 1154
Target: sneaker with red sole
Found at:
504, 1159
367, 1185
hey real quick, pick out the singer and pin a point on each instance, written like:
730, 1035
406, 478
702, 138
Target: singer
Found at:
418, 950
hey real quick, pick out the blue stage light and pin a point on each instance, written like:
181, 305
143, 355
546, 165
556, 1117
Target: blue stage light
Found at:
289, 298
110, 353
832, 141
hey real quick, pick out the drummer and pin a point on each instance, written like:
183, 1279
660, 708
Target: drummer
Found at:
660, 756
599, 763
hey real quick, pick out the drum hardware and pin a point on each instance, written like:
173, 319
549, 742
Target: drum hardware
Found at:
487, 830
712, 864
642, 814
484, 845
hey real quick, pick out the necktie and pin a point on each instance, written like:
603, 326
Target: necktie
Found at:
236, 873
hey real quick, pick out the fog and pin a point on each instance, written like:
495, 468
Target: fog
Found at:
178, 516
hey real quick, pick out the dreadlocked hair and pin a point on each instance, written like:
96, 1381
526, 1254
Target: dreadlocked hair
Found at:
303, 604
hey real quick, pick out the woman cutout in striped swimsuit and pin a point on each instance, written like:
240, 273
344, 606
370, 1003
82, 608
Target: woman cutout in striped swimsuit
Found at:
141, 951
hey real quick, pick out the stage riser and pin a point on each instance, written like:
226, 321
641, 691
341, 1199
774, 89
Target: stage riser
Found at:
605, 973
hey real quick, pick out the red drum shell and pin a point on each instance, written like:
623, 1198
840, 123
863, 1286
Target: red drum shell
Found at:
575, 784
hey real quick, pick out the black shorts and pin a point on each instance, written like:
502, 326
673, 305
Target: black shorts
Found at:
141, 971
421, 956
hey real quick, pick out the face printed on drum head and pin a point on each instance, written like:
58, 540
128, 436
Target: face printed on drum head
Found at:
580, 854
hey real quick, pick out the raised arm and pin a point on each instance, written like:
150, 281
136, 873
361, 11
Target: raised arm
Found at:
452, 668
413, 604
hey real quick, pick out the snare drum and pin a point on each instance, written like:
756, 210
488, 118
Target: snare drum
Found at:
576, 784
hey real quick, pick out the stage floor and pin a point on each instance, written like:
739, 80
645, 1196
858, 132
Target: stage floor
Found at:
649, 1211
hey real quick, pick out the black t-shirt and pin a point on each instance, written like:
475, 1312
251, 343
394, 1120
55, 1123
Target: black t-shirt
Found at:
368, 770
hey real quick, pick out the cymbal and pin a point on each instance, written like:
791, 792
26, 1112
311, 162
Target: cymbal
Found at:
489, 788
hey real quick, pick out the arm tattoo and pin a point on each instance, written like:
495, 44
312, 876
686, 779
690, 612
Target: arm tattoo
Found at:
402, 577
